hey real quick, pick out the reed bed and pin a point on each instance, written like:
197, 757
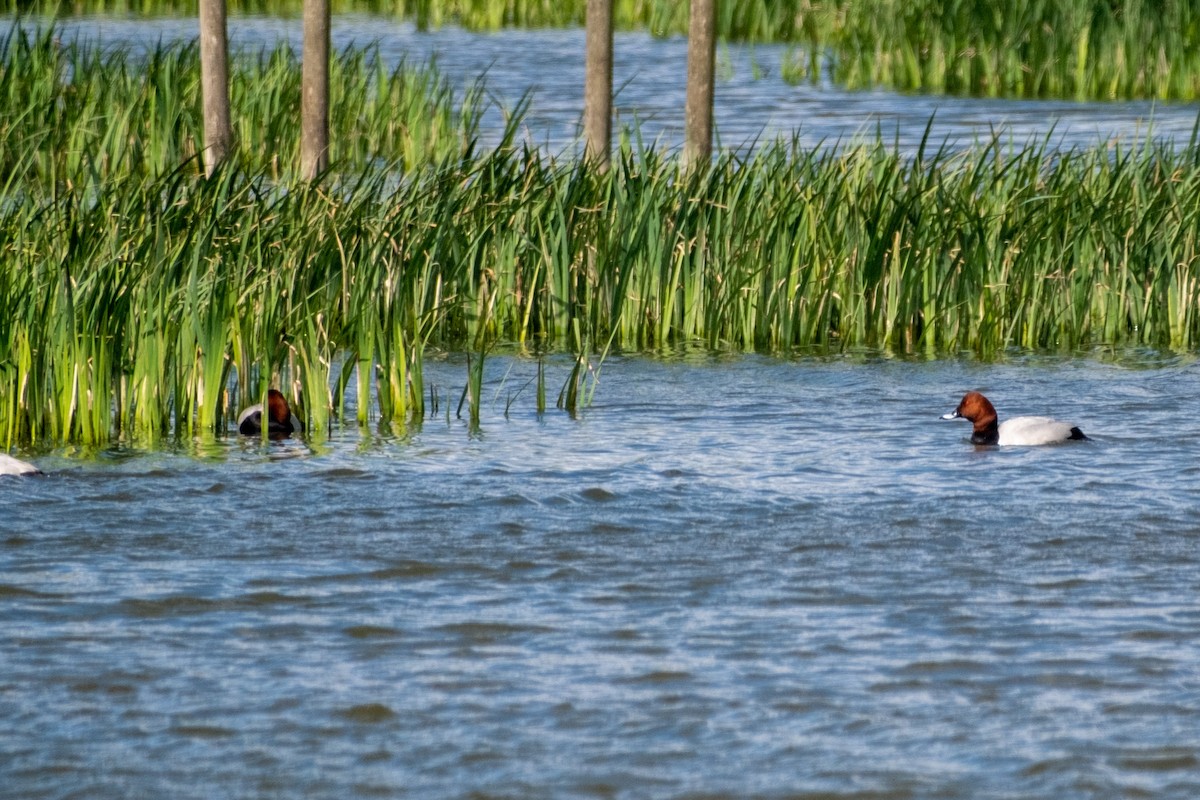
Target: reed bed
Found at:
69, 111
142, 302
129, 309
1093, 49
1083, 49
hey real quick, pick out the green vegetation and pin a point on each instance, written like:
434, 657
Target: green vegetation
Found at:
1102, 49
1022, 48
71, 112
134, 290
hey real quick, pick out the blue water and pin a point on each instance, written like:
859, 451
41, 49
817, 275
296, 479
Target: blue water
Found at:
729, 577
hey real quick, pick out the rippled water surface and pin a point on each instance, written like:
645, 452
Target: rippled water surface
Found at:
730, 577
753, 103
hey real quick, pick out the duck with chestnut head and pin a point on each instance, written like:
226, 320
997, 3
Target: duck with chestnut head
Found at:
280, 420
1029, 431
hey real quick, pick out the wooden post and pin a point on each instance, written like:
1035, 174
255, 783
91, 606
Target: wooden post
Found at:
314, 90
597, 87
214, 85
698, 113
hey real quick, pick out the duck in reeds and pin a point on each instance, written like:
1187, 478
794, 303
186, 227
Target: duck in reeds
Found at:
15, 466
281, 422
977, 409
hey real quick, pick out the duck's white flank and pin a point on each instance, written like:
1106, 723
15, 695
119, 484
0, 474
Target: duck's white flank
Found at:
1034, 431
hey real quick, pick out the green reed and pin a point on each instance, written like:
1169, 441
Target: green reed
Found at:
70, 112
1026, 48
131, 307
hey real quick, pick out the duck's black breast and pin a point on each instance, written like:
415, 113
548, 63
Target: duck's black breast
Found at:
251, 424
989, 434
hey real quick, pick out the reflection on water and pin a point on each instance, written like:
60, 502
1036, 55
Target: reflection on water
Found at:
731, 577
753, 102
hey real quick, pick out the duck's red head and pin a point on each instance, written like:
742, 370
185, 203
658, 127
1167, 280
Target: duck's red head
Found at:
979, 410
277, 405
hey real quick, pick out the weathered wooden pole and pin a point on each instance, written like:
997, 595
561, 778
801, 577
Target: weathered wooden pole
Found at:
214, 85
597, 83
698, 113
314, 90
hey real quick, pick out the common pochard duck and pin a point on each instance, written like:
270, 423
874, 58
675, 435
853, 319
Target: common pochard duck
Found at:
1016, 431
15, 466
281, 421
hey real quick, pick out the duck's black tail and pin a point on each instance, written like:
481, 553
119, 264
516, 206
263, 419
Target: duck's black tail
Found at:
1077, 434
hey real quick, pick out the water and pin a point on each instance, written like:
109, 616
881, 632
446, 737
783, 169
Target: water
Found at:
731, 577
753, 103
